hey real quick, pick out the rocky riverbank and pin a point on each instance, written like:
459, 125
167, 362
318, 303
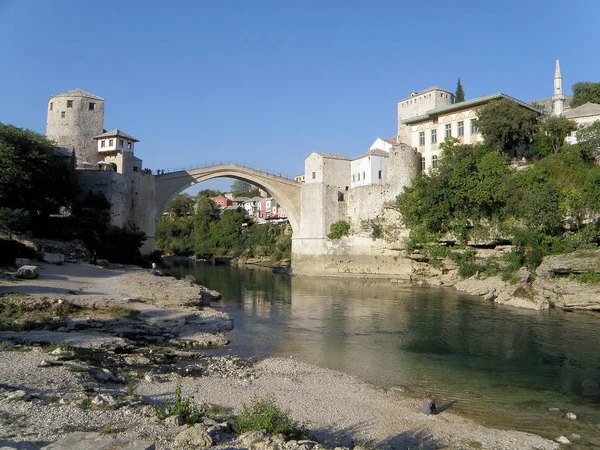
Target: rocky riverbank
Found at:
118, 342
554, 284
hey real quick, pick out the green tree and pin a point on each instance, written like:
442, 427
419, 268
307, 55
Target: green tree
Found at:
459, 95
241, 187
182, 205
557, 128
584, 92
34, 175
588, 138
505, 125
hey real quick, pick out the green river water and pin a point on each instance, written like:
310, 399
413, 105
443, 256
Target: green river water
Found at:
505, 367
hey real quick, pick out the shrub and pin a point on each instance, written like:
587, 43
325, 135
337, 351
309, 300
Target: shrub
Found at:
339, 229
591, 276
263, 414
179, 407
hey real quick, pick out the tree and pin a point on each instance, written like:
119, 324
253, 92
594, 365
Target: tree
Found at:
240, 186
505, 125
459, 95
584, 92
182, 205
34, 176
589, 139
557, 128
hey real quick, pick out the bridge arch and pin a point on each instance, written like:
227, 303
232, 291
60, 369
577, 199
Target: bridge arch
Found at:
286, 192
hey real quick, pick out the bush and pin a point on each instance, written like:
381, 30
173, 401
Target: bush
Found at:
179, 407
591, 277
338, 230
263, 414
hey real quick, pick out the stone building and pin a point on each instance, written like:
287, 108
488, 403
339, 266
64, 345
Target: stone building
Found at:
74, 118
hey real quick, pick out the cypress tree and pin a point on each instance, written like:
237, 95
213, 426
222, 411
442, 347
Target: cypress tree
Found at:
459, 95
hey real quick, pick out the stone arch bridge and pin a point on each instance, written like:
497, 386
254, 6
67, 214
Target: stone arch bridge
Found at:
285, 191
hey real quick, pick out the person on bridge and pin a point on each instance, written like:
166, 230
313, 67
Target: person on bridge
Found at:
429, 405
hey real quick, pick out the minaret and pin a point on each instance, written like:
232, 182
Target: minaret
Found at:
558, 99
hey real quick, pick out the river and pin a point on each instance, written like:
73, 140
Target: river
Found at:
502, 366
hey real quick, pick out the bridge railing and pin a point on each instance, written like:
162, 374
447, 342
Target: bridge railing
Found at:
199, 166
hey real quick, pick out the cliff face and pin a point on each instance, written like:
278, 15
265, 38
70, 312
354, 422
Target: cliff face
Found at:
552, 285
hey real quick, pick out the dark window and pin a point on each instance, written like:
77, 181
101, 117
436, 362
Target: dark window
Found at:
120, 142
422, 164
129, 145
381, 174
103, 143
69, 103
92, 106
110, 142
62, 114
314, 175
474, 129
51, 105
434, 161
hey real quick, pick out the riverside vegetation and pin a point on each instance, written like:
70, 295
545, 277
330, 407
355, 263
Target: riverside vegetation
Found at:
196, 227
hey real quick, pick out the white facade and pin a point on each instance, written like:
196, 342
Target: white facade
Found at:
369, 168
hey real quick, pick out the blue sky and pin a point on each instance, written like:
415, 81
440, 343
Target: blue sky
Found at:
268, 82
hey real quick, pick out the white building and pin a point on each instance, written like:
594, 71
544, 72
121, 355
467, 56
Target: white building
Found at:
116, 152
369, 168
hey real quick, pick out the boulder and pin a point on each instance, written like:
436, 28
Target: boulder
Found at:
16, 396
194, 437
83, 440
52, 258
27, 272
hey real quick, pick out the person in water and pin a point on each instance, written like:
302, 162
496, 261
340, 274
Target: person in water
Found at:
429, 405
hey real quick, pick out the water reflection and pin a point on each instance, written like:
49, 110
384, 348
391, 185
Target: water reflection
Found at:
502, 365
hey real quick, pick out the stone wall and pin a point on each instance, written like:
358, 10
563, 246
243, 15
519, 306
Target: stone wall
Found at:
352, 255
131, 198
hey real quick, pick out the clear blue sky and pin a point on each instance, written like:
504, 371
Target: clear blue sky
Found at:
268, 82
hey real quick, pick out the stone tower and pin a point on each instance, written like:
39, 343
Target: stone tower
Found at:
558, 98
74, 118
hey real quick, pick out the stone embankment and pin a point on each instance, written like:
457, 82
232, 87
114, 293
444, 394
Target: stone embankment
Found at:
117, 345
551, 285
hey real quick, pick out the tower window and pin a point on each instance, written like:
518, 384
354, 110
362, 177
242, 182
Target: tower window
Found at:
51, 105
62, 114
92, 106
121, 143
129, 145
381, 174
314, 175
69, 103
